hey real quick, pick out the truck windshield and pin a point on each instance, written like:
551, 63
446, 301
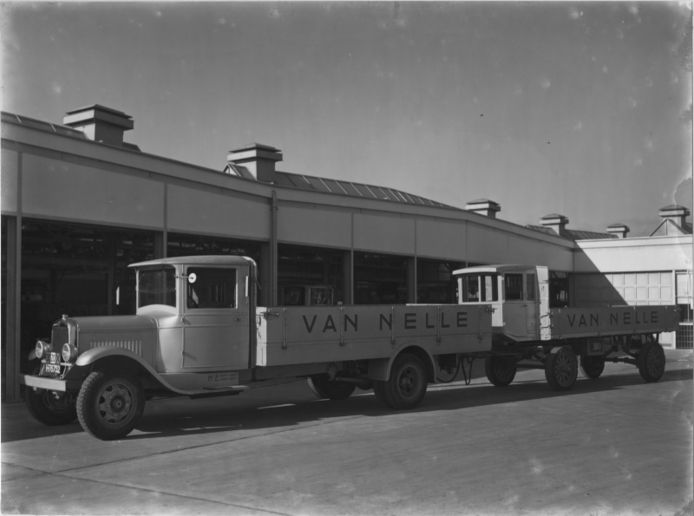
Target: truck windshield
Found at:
476, 288
156, 287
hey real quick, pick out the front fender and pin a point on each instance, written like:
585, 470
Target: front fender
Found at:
94, 355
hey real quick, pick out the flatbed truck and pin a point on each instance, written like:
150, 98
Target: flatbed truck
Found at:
198, 332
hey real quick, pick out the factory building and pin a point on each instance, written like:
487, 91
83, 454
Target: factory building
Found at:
79, 203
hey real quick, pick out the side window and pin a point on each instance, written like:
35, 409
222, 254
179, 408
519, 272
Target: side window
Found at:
210, 287
513, 287
470, 287
530, 287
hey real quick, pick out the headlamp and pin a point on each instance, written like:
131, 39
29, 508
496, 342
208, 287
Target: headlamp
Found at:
41, 349
68, 352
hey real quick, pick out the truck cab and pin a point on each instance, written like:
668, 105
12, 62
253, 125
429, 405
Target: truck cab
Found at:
518, 296
199, 303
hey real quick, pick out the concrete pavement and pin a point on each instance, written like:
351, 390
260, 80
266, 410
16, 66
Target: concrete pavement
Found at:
611, 446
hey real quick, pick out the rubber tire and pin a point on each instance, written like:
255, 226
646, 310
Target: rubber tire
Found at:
45, 408
94, 420
651, 361
500, 371
592, 365
561, 368
324, 388
407, 384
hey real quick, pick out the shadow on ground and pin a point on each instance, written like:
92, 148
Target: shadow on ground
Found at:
297, 405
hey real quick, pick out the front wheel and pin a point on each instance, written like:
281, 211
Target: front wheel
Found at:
500, 370
109, 407
407, 384
651, 361
561, 368
50, 408
324, 388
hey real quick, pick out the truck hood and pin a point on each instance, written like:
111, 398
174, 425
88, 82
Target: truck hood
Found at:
115, 322
135, 333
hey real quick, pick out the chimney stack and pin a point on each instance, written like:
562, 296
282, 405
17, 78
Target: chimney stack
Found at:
259, 159
484, 207
556, 222
676, 214
618, 229
100, 123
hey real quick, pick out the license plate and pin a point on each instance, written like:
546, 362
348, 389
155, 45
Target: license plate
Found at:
52, 369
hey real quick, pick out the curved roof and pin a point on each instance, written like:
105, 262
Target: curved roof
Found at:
197, 260
352, 189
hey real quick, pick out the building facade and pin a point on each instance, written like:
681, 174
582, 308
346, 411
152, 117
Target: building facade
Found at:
79, 203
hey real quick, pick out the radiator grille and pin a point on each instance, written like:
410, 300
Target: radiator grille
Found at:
684, 339
58, 337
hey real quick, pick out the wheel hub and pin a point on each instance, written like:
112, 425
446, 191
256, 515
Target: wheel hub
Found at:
115, 403
407, 382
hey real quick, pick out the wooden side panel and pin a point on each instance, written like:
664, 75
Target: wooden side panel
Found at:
605, 321
297, 335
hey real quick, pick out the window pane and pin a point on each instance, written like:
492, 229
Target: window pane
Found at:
470, 288
513, 287
321, 296
211, 287
530, 283
157, 287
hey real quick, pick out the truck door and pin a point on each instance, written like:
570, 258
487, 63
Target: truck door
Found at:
521, 305
514, 306
216, 313
532, 301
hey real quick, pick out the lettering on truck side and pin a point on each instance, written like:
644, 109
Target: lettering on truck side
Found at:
410, 321
625, 318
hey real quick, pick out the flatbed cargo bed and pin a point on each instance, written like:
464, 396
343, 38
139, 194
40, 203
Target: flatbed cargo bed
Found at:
301, 334
567, 323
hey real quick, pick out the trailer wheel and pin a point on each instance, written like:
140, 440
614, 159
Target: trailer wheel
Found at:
324, 388
500, 370
651, 361
561, 368
407, 384
593, 366
50, 408
109, 407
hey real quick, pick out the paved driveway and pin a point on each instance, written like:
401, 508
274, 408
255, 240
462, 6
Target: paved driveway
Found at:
611, 446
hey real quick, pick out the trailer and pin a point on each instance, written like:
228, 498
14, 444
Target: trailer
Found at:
197, 332
528, 332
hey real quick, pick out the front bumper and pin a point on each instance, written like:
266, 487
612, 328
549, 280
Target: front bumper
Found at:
39, 382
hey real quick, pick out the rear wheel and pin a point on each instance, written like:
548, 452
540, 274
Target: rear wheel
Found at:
500, 370
561, 368
50, 408
333, 390
651, 361
593, 366
109, 407
407, 384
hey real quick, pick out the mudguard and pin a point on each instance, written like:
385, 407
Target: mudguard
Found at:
91, 356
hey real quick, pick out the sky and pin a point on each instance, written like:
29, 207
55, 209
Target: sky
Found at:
582, 109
